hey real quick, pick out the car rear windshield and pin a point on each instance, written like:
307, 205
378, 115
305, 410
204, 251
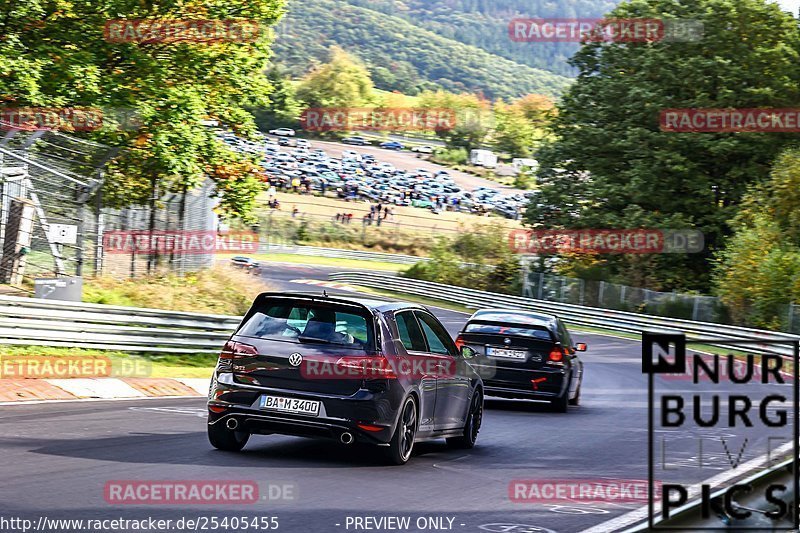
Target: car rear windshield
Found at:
512, 331
310, 322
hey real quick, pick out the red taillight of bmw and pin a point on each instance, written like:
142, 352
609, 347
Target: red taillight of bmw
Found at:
556, 356
234, 350
459, 342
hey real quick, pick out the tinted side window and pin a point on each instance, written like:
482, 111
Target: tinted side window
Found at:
566, 340
439, 340
410, 334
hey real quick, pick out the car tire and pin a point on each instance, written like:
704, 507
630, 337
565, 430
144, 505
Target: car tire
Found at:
402, 443
577, 399
225, 439
472, 427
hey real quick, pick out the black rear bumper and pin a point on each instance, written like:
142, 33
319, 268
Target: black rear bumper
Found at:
376, 410
264, 423
507, 392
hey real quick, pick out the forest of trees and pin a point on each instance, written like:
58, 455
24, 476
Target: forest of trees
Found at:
484, 23
610, 165
406, 56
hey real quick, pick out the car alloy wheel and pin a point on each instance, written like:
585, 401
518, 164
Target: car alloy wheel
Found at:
402, 442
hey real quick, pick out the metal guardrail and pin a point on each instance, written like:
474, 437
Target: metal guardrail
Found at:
30, 321
574, 314
39, 322
340, 254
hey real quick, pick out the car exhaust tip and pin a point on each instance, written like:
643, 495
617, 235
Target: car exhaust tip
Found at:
346, 438
232, 423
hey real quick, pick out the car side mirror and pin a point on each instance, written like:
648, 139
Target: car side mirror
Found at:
468, 353
581, 347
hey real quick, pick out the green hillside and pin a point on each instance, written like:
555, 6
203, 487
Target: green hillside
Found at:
484, 23
402, 56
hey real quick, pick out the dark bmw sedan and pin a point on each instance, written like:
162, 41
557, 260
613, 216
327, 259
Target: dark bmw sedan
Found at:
522, 354
354, 370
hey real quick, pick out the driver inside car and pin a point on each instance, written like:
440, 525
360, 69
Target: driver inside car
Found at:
322, 326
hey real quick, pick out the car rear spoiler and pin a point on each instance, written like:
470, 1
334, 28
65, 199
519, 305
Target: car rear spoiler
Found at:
510, 325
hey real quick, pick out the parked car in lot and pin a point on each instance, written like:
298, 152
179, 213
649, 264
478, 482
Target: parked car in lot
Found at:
372, 179
360, 141
387, 384
246, 263
522, 354
422, 149
283, 132
350, 155
392, 145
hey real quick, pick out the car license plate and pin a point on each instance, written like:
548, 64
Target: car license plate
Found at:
290, 405
505, 352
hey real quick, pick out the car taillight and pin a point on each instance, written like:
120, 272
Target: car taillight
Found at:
459, 342
556, 355
233, 350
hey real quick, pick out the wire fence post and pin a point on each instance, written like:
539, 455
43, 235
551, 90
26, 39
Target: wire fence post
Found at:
541, 284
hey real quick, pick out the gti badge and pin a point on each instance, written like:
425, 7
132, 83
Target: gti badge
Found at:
295, 359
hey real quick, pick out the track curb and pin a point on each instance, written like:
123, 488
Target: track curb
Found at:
28, 390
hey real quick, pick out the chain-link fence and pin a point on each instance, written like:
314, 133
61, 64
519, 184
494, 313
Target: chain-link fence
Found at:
310, 220
46, 182
53, 222
606, 295
122, 231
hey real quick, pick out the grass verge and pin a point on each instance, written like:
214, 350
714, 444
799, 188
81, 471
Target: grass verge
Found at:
219, 290
330, 261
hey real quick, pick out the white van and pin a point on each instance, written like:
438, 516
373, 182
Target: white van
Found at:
519, 162
483, 158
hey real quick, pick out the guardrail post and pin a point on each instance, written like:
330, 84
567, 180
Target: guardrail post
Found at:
541, 284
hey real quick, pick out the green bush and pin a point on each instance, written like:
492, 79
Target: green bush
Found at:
451, 156
479, 258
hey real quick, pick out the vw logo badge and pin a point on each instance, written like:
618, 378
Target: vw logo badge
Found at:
506, 341
295, 359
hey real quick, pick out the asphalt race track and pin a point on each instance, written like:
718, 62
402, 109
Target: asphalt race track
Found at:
57, 457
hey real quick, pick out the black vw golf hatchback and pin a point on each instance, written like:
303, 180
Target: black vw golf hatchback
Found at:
349, 369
